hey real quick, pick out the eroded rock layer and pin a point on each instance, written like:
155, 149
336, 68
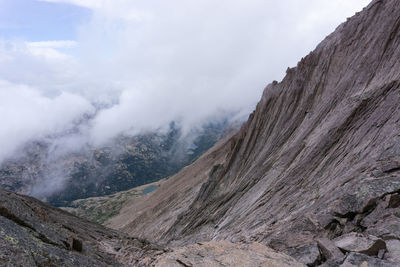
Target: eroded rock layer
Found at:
319, 159
34, 234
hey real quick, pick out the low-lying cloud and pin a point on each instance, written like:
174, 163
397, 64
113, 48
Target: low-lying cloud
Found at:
138, 65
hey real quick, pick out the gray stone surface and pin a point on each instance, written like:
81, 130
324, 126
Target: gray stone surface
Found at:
34, 234
215, 254
360, 243
329, 250
362, 260
308, 254
318, 158
393, 250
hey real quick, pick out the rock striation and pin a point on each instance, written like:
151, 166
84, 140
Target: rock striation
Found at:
213, 254
318, 159
34, 234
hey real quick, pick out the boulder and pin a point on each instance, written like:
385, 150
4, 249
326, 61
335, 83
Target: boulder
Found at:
393, 250
331, 263
386, 228
356, 242
308, 254
362, 260
328, 249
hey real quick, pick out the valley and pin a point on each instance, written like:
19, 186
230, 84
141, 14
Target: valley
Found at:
125, 163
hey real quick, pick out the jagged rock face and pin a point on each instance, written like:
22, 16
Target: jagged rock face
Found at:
318, 158
34, 234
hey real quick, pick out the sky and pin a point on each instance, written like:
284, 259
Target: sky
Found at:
87, 71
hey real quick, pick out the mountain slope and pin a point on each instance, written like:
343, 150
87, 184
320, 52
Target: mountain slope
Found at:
174, 195
34, 234
318, 158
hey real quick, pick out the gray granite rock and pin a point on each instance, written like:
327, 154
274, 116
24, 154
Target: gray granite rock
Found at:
329, 250
215, 254
393, 250
362, 260
34, 234
360, 243
318, 157
307, 254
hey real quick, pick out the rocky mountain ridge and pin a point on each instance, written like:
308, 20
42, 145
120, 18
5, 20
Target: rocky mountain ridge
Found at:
314, 172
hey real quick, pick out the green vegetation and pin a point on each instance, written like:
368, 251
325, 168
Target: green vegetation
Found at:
100, 209
11, 239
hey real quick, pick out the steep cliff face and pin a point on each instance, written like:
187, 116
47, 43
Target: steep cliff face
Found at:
318, 159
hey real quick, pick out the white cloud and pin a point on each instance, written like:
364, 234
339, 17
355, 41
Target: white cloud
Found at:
113, 9
48, 50
28, 115
149, 62
190, 59
54, 44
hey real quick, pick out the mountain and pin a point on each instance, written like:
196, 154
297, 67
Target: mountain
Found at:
35, 234
312, 178
125, 163
315, 171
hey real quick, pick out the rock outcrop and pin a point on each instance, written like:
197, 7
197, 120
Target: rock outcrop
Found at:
222, 253
319, 159
34, 234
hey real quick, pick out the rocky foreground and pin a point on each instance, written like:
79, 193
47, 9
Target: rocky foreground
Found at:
315, 171
34, 234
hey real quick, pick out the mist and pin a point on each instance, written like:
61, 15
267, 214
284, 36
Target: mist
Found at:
137, 66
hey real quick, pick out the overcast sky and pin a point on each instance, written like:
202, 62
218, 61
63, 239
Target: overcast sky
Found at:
132, 65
